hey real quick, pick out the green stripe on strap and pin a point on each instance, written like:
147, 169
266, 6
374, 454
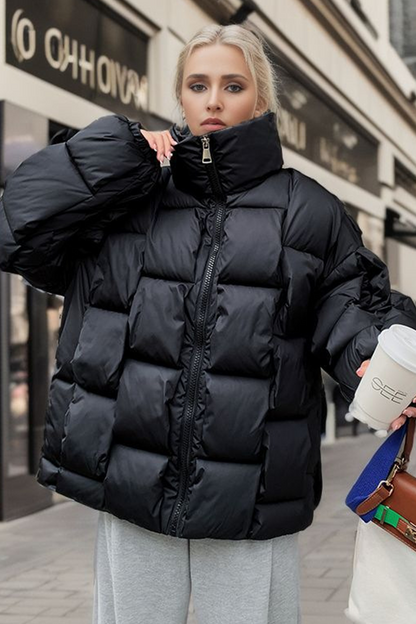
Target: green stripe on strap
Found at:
390, 516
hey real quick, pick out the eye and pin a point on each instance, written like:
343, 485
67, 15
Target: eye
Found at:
238, 87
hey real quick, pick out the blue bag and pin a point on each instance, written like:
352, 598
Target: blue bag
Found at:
376, 470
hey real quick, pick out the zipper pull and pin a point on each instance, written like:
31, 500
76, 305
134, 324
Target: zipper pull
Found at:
206, 152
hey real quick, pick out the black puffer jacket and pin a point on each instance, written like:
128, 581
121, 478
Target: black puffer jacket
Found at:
201, 300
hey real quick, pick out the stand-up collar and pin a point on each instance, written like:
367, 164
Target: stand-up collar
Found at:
243, 155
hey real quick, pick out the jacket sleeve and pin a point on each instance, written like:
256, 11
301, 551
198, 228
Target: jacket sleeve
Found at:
58, 203
354, 303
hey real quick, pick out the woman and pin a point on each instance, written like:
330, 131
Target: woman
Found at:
201, 301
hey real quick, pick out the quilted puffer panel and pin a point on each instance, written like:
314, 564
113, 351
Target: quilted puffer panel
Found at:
288, 446
253, 233
300, 272
242, 313
142, 408
172, 244
118, 271
312, 217
88, 433
139, 474
284, 517
98, 357
124, 144
157, 320
236, 408
222, 499
75, 304
290, 387
80, 488
60, 395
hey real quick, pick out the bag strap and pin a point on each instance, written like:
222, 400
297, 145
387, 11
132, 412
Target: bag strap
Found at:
389, 516
385, 515
385, 487
410, 436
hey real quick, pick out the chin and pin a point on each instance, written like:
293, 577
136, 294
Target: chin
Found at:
208, 128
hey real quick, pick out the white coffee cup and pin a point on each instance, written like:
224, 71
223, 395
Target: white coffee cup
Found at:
389, 383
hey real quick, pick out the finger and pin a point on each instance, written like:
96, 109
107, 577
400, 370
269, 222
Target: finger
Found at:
160, 147
361, 370
397, 423
149, 137
410, 411
168, 146
171, 139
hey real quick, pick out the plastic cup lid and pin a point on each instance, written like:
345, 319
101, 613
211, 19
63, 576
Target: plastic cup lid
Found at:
399, 342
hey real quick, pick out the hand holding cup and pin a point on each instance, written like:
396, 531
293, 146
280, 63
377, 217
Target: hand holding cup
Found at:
408, 412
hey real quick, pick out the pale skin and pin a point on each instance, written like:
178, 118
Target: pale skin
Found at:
400, 420
216, 83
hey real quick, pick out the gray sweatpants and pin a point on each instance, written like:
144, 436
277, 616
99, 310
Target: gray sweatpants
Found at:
142, 577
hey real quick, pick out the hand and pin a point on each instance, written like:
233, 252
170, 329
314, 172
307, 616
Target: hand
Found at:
162, 142
408, 411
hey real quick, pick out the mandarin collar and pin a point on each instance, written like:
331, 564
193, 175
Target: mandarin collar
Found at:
243, 156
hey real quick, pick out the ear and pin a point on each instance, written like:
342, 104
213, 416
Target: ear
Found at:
260, 109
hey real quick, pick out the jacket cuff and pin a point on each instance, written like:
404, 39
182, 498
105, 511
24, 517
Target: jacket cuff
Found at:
140, 141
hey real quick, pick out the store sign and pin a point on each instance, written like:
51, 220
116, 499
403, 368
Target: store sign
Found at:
82, 47
312, 128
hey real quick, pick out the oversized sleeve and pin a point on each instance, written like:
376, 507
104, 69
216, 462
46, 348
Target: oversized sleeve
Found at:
59, 202
353, 304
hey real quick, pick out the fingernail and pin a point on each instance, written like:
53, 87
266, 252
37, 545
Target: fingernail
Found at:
175, 142
358, 370
407, 412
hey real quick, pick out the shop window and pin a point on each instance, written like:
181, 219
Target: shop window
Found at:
18, 425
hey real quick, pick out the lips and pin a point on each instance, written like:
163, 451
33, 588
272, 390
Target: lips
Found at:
213, 122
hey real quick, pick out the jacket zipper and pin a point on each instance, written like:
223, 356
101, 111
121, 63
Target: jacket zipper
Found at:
191, 397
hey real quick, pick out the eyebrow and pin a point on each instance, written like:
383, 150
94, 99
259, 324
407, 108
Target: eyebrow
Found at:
226, 76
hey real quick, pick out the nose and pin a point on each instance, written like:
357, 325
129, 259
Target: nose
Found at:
213, 102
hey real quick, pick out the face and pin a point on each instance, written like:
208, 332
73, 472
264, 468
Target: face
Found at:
217, 84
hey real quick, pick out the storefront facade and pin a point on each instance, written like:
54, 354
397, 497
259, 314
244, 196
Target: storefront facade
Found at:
63, 65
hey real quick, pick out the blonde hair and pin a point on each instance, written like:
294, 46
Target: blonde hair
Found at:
256, 53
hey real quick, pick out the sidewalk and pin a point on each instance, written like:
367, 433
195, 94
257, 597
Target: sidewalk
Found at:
46, 559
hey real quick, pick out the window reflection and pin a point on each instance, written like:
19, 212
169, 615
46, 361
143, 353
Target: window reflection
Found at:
18, 426
54, 311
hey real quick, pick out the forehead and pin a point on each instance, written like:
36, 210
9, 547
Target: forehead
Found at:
216, 61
